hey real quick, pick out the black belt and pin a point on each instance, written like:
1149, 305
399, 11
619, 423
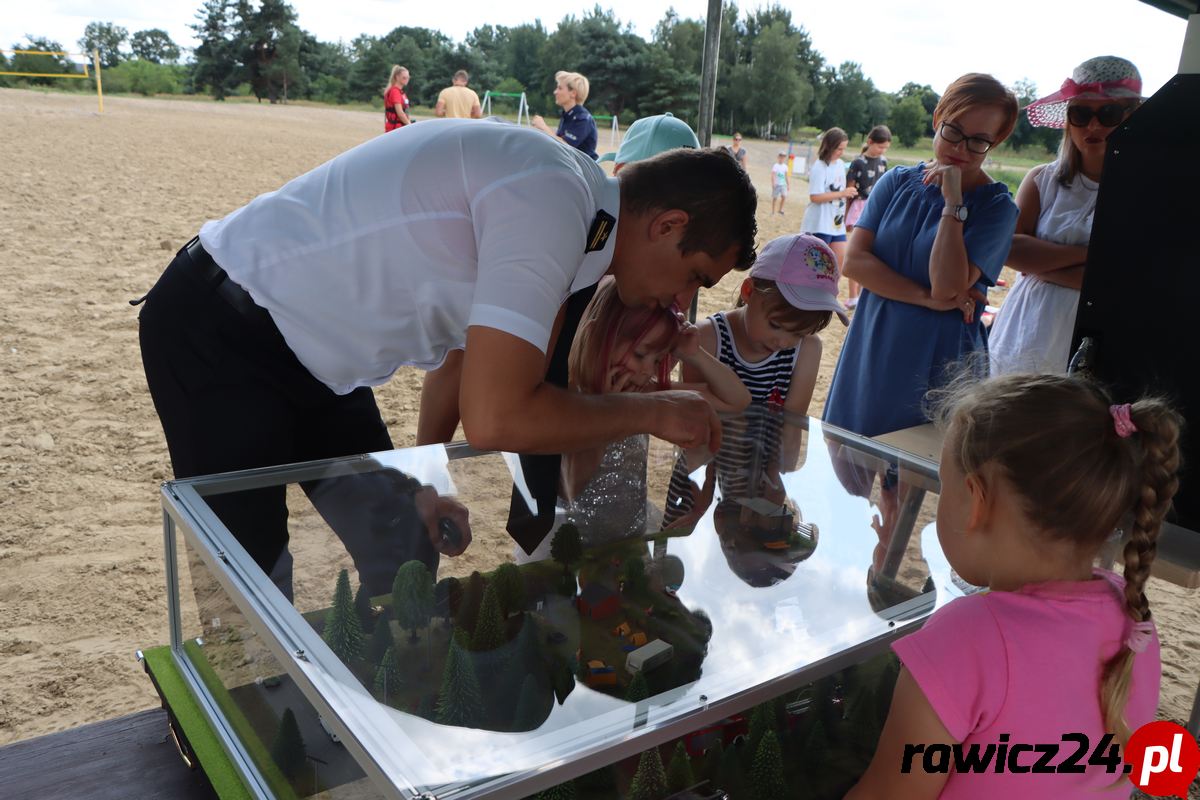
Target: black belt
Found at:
212, 274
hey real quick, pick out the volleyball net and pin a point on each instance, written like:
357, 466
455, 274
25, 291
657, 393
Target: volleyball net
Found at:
78, 70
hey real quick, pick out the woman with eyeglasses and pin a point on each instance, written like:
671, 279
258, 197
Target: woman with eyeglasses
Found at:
1032, 332
931, 240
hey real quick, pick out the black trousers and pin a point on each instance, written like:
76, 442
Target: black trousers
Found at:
231, 395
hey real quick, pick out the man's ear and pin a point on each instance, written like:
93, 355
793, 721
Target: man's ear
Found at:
981, 502
669, 224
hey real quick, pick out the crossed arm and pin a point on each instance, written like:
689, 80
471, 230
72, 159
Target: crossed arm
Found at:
1060, 264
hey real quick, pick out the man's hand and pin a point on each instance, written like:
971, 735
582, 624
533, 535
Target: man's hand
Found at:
432, 508
686, 419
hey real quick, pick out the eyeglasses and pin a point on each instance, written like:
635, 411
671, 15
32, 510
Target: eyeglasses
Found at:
736, 139
954, 135
1110, 116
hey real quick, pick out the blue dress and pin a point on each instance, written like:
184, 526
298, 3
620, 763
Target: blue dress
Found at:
895, 352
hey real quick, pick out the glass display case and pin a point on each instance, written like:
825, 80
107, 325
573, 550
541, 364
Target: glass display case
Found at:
362, 665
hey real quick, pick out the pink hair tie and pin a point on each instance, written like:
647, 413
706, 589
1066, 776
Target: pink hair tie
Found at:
1122, 421
1139, 636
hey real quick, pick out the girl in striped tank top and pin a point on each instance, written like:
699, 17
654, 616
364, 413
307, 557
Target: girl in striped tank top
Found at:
769, 341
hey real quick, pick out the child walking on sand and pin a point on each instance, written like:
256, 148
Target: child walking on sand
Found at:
1037, 472
864, 170
769, 340
781, 181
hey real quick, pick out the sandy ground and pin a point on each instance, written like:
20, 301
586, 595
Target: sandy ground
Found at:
91, 210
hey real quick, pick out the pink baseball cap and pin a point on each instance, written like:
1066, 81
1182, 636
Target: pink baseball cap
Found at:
805, 270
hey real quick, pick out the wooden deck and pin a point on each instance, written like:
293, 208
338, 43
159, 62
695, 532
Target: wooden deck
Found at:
120, 759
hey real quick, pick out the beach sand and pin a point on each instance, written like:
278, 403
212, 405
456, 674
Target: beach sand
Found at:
92, 209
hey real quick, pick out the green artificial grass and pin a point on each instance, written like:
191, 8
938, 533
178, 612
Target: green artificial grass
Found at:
216, 764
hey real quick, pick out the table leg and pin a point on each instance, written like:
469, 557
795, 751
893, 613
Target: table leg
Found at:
906, 520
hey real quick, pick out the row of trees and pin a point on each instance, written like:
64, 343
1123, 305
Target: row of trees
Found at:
771, 79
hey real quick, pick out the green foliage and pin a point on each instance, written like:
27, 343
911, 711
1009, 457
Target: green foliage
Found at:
564, 791
53, 65
459, 701
637, 690
105, 38
287, 749
216, 64
567, 547
489, 629
468, 611
447, 594
510, 588
766, 774
343, 632
732, 775
634, 573
908, 120
711, 769
600, 781
412, 597
531, 705
381, 641
154, 45
679, 773
1024, 135
143, 77
650, 781
815, 755
388, 676
362, 606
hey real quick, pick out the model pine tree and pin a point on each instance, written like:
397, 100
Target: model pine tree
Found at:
635, 574
388, 678
468, 609
381, 641
447, 594
362, 605
489, 629
815, 755
679, 773
287, 751
531, 706
733, 776
564, 791
638, 690
510, 588
412, 598
460, 701
712, 761
567, 547
766, 774
343, 632
649, 782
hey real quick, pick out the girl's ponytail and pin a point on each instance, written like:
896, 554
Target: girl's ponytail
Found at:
1155, 427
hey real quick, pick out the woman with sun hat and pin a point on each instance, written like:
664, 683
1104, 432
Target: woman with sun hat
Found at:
1056, 201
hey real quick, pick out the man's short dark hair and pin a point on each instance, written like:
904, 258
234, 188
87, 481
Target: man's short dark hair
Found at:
710, 186
462, 75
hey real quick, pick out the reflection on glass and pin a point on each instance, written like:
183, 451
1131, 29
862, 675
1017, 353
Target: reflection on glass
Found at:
762, 565
291, 746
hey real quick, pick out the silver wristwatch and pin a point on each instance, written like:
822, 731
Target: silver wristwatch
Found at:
958, 212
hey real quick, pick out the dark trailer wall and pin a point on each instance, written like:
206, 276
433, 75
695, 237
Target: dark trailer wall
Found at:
1140, 303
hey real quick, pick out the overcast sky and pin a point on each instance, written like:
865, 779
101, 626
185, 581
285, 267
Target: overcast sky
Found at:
932, 42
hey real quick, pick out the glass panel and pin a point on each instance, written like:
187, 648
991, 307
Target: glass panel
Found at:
792, 546
278, 728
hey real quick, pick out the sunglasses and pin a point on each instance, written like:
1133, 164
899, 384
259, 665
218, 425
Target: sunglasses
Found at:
1110, 116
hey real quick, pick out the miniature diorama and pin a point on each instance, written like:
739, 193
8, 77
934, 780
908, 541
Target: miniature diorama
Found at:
624, 631
820, 737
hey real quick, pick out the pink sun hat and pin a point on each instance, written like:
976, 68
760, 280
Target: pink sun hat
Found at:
1099, 78
805, 270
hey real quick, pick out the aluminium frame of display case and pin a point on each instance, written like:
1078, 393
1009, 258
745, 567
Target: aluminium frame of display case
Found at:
383, 751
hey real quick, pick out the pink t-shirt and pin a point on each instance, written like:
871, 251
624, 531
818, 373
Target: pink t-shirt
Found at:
1028, 663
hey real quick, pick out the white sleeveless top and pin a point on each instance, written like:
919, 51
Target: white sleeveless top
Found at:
1032, 332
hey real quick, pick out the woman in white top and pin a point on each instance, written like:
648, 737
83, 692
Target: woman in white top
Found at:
1033, 330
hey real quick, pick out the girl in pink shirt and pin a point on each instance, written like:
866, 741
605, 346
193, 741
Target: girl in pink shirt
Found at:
1036, 471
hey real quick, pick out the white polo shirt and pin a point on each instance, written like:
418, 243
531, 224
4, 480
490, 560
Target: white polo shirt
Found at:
385, 255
